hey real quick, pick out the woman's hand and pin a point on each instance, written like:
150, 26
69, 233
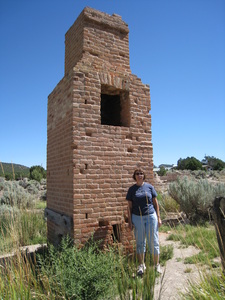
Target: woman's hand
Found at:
159, 221
156, 206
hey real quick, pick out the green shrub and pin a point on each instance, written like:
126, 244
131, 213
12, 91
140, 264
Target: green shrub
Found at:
24, 182
32, 186
162, 171
195, 197
15, 195
37, 173
43, 181
199, 174
79, 273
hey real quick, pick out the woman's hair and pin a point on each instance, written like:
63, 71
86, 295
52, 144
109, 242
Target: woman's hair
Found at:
138, 170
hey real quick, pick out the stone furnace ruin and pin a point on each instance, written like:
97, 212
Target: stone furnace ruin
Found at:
99, 131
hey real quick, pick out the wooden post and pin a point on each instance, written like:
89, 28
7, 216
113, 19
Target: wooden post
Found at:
218, 213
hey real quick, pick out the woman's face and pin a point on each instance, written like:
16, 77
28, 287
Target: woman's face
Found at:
139, 176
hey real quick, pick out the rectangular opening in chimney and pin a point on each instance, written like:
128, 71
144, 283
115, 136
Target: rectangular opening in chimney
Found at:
115, 108
116, 233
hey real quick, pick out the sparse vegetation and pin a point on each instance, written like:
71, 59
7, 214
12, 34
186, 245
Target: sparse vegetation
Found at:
211, 284
202, 237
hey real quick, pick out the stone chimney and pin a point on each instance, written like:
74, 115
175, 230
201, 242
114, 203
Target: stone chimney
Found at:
99, 131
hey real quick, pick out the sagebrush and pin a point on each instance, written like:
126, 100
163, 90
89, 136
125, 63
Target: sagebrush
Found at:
195, 196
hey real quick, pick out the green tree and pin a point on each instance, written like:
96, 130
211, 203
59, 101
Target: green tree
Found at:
215, 163
189, 163
37, 173
162, 171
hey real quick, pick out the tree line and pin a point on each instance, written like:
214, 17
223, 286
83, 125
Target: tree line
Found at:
209, 162
191, 163
17, 172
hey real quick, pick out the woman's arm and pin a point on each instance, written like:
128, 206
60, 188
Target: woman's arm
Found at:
156, 206
130, 214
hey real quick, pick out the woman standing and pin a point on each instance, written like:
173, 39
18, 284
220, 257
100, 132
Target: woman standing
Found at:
144, 216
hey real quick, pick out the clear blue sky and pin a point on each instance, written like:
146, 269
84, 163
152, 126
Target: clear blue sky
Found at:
176, 46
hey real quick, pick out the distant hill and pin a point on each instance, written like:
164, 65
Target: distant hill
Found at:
19, 170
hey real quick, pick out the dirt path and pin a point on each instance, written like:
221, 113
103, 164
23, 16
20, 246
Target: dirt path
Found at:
176, 274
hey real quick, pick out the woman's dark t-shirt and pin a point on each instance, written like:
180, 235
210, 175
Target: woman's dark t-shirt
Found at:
141, 197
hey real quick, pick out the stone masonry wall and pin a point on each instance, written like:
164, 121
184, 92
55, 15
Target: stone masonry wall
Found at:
90, 163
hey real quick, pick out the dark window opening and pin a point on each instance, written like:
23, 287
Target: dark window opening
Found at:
110, 110
115, 107
116, 233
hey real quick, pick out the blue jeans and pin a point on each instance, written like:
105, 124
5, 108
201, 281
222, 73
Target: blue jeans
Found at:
146, 227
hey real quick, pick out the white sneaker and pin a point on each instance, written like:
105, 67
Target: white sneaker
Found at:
141, 269
158, 269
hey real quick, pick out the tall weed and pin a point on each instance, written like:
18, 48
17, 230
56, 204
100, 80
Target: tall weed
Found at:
21, 228
19, 280
211, 286
167, 204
